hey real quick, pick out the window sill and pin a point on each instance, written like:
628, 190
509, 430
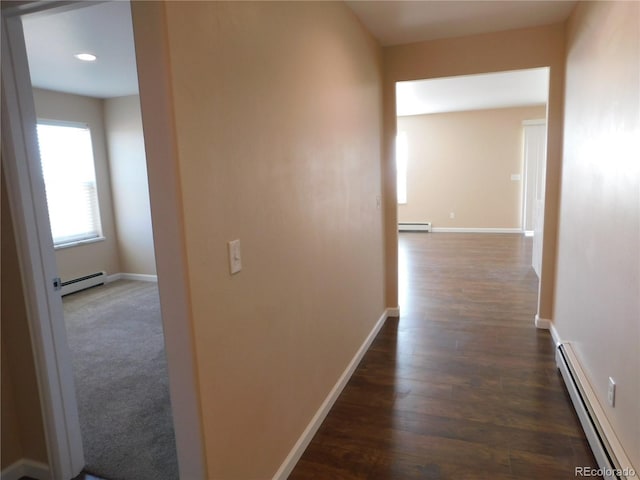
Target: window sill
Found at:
78, 243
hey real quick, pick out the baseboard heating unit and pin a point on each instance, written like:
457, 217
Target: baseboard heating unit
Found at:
613, 463
415, 227
82, 283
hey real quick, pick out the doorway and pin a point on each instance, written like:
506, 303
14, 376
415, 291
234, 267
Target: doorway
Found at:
91, 145
461, 155
38, 267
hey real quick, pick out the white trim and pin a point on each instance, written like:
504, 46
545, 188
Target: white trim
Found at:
535, 121
546, 324
307, 435
528, 233
542, 323
555, 335
393, 312
27, 201
114, 277
63, 123
414, 226
77, 243
139, 277
475, 230
26, 468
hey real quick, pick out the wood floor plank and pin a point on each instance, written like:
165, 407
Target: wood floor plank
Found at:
462, 385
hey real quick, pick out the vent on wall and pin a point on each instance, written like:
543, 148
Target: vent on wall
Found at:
415, 227
612, 462
82, 283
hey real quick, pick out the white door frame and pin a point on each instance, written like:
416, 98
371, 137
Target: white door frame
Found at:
537, 184
526, 204
25, 189
527, 208
27, 202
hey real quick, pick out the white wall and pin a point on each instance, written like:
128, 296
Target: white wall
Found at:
130, 190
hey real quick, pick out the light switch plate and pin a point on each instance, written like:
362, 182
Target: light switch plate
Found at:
611, 392
235, 258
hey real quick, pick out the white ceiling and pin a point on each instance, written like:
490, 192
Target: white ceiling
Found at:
473, 92
104, 29
397, 22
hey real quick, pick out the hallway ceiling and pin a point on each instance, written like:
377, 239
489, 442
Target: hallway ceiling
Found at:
104, 28
398, 22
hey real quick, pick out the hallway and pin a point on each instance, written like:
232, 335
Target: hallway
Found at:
462, 385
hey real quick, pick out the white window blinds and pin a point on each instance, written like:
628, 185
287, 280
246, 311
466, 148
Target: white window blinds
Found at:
70, 180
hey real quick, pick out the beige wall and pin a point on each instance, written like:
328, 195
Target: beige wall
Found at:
129, 186
22, 428
491, 52
84, 259
598, 275
278, 121
462, 162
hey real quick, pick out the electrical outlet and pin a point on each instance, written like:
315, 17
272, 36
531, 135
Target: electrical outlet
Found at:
452, 215
611, 392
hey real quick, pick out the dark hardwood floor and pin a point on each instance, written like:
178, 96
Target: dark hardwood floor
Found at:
462, 386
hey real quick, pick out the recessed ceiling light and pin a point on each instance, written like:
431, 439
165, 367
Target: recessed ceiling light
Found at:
86, 57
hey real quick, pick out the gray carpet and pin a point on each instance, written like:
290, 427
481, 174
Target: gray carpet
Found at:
117, 347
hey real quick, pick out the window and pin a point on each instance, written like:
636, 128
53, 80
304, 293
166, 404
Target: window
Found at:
402, 154
70, 182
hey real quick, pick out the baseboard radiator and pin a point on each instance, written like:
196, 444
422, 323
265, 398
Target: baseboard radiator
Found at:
82, 283
612, 462
415, 227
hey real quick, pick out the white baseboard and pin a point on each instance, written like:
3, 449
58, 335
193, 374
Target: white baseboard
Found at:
542, 323
414, 226
475, 230
26, 468
132, 276
114, 278
393, 312
303, 442
140, 277
555, 335
546, 324
528, 233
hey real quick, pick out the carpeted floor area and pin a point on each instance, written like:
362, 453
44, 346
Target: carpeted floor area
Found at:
117, 347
